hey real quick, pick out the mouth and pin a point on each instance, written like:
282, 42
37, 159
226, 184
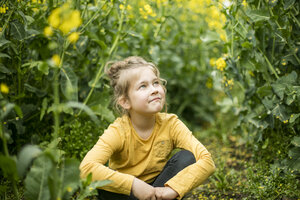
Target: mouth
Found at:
155, 99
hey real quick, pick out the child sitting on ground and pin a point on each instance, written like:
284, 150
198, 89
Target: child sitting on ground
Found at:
138, 144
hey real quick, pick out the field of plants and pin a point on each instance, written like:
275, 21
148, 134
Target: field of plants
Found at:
232, 68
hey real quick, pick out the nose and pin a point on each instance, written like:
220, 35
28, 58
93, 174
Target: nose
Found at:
154, 90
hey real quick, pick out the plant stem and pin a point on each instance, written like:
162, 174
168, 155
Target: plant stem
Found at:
56, 101
110, 53
269, 64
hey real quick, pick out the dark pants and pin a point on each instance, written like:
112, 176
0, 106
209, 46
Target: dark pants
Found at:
178, 162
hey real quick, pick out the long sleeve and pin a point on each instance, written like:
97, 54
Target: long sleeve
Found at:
197, 173
94, 162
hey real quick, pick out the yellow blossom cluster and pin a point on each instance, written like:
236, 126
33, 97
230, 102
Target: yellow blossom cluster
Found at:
3, 9
216, 20
244, 3
66, 20
4, 89
228, 82
122, 7
55, 60
147, 11
221, 64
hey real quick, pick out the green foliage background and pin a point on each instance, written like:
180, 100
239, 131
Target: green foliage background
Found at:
64, 109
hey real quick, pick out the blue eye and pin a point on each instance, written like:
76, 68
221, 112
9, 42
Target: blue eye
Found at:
142, 86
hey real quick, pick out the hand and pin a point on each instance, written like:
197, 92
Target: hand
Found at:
142, 190
165, 193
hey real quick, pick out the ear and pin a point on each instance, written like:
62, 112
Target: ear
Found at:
124, 102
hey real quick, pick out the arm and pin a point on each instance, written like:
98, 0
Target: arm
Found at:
194, 174
94, 161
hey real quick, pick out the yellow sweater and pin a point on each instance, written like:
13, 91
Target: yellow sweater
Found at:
131, 156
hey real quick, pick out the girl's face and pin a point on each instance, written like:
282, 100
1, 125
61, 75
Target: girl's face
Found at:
146, 94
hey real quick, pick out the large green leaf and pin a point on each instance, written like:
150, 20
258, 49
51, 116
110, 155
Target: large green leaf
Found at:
265, 90
17, 30
288, 3
279, 89
8, 167
258, 15
279, 112
36, 182
294, 154
296, 141
68, 83
69, 173
26, 155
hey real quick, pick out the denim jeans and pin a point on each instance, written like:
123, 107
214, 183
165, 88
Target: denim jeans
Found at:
178, 162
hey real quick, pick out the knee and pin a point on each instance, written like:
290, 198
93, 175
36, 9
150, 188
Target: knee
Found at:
186, 158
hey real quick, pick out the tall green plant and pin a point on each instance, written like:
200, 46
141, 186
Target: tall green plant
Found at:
264, 58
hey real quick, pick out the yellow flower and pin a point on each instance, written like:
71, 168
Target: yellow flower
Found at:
48, 31
4, 89
55, 59
54, 18
223, 37
1, 29
244, 3
69, 189
73, 37
212, 62
221, 64
122, 7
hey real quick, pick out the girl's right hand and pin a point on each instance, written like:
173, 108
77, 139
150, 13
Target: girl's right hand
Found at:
142, 190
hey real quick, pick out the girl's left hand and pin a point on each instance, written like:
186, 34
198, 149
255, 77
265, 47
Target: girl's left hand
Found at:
165, 193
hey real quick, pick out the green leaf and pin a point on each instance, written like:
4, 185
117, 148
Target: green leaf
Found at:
38, 92
17, 30
88, 190
104, 112
296, 141
7, 108
288, 4
265, 90
8, 167
26, 155
258, 15
68, 83
69, 174
279, 89
279, 112
4, 70
43, 67
36, 182
294, 117
3, 55
210, 36
44, 107
18, 110
4, 42
82, 43
268, 103
294, 154
85, 108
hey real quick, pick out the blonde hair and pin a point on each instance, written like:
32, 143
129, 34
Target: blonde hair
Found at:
120, 83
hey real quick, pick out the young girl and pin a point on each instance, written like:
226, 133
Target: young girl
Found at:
139, 143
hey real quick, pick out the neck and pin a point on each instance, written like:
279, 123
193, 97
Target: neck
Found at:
142, 123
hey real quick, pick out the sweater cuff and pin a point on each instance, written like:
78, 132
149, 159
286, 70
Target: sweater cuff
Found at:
175, 187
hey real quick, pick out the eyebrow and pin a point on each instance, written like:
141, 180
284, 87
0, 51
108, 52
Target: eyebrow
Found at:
147, 81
